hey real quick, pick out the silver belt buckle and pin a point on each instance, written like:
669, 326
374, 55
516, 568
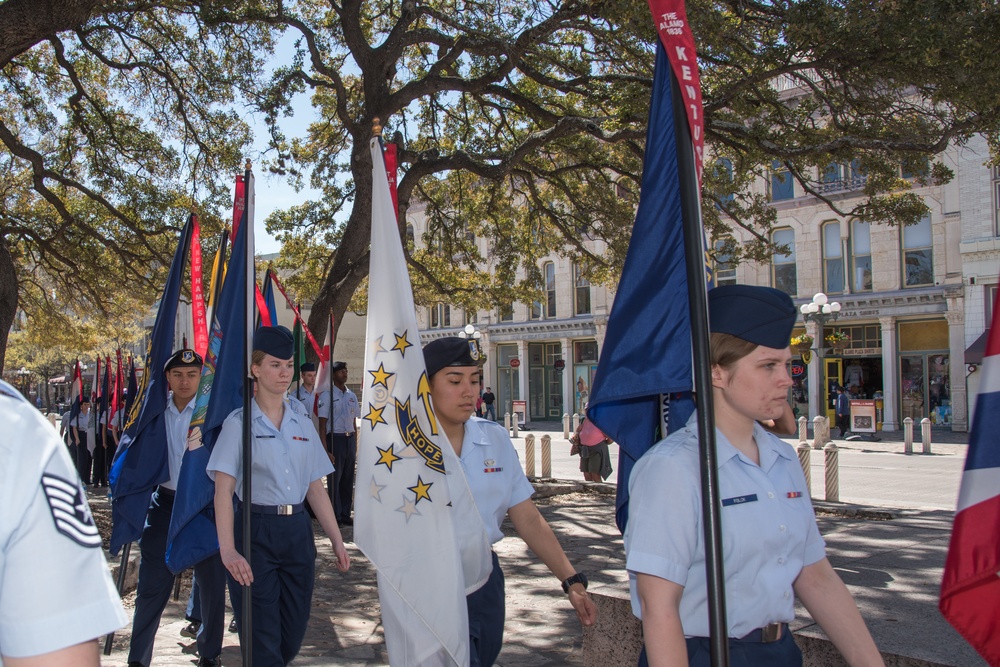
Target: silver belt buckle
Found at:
770, 633
284, 510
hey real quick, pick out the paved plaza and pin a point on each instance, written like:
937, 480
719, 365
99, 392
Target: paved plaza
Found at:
887, 538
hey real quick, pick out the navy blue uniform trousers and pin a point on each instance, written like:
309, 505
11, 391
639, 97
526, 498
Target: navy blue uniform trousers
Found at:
345, 452
486, 618
283, 561
782, 653
156, 582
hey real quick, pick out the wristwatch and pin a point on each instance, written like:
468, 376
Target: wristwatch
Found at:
578, 578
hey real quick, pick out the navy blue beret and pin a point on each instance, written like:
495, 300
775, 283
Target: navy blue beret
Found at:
275, 341
761, 315
338, 366
450, 351
183, 358
308, 367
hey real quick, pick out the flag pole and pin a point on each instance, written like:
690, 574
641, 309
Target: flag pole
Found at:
329, 443
213, 299
248, 300
700, 336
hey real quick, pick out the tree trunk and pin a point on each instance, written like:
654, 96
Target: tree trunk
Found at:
8, 297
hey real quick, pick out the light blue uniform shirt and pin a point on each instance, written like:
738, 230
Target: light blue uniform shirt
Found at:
177, 424
769, 530
345, 410
495, 476
55, 586
285, 460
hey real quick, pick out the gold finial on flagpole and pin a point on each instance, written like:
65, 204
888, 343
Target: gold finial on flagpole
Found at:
248, 164
376, 127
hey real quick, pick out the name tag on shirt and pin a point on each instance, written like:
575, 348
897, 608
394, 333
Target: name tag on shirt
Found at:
739, 500
264, 437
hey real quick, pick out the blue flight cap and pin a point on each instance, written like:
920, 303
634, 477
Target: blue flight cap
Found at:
761, 315
449, 351
183, 358
308, 367
338, 366
275, 341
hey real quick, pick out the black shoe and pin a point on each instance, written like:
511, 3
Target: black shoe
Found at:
232, 625
346, 522
209, 662
136, 664
191, 629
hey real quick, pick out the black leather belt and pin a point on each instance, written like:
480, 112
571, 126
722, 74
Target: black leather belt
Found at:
344, 434
280, 510
164, 491
768, 634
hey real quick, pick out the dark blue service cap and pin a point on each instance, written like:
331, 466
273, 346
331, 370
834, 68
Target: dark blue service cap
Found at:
275, 341
183, 358
338, 366
761, 315
308, 367
450, 351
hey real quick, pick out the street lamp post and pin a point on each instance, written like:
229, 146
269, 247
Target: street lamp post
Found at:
472, 332
23, 374
819, 311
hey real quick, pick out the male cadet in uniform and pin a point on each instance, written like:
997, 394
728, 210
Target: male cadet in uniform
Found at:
306, 392
156, 581
337, 421
56, 593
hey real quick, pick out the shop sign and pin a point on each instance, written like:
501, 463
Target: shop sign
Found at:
861, 352
868, 312
559, 365
515, 362
798, 369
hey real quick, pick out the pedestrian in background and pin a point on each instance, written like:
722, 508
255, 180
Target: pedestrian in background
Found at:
289, 465
79, 433
773, 550
843, 411
489, 410
500, 489
57, 594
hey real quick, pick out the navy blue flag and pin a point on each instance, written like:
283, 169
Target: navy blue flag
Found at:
130, 392
192, 536
269, 303
642, 388
141, 462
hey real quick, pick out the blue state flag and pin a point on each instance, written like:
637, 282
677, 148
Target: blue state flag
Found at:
192, 536
642, 388
141, 462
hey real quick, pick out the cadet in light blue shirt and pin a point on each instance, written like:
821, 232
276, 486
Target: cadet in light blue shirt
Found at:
288, 467
771, 546
500, 489
56, 594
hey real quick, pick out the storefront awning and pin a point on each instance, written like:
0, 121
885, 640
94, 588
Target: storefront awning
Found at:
974, 353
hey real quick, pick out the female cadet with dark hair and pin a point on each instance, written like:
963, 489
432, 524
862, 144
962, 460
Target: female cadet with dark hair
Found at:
289, 464
499, 488
772, 549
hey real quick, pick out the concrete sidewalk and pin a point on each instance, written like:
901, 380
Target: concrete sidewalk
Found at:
890, 554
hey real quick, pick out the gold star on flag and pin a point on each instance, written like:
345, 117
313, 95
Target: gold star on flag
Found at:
401, 343
380, 376
387, 457
421, 489
374, 415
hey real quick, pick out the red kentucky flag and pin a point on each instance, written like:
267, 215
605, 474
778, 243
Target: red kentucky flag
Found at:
970, 590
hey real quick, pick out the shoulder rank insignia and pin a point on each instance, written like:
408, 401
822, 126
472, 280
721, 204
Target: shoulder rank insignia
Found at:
70, 511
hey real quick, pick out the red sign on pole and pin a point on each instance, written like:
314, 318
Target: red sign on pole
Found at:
515, 362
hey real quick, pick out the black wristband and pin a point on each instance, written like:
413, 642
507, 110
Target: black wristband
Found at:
577, 578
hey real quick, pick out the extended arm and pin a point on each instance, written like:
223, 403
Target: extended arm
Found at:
538, 535
662, 631
826, 597
225, 486
319, 501
84, 654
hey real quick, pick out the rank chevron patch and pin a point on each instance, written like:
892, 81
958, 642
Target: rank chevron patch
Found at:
70, 511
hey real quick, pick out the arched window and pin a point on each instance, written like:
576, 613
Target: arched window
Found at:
918, 254
833, 258
549, 271
861, 256
782, 184
581, 292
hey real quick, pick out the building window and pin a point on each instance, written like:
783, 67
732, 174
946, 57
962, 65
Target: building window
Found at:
410, 238
550, 289
471, 316
782, 186
724, 170
918, 255
724, 269
783, 266
505, 313
535, 312
581, 292
833, 258
919, 167
440, 315
861, 256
